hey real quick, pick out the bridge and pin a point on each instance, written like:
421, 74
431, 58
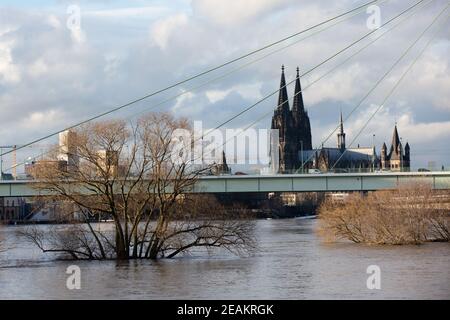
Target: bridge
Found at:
328, 182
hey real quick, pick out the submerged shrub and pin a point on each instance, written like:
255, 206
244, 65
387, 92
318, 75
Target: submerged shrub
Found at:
410, 214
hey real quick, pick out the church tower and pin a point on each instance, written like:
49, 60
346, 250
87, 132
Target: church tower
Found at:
396, 159
221, 167
281, 120
300, 116
383, 156
406, 157
293, 127
341, 136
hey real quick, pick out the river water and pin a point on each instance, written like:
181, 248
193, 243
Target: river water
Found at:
291, 263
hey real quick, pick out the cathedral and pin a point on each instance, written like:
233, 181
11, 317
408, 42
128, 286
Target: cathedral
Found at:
295, 151
342, 158
293, 126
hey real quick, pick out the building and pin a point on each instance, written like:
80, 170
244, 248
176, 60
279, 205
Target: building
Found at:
221, 167
295, 147
68, 150
108, 161
360, 159
295, 152
12, 209
67, 158
341, 158
6, 176
397, 159
33, 168
293, 127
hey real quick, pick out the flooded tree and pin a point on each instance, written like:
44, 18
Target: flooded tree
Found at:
129, 174
3, 246
410, 214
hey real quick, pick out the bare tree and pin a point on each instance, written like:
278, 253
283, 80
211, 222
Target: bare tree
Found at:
128, 173
412, 213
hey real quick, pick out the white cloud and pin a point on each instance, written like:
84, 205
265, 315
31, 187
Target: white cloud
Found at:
233, 11
162, 30
247, 91
431, 78
53, 21
38, 68
341, 85
6, 29
216, 95
181, 101
131, 12
9, 72
112, 62
78, 35
42, 119
425, 133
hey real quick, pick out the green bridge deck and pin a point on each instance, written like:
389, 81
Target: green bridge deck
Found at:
281, 183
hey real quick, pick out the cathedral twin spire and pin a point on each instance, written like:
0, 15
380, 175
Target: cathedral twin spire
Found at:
297, 105
293, 125
283, 100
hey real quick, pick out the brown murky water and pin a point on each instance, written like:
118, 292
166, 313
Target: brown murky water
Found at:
292, 263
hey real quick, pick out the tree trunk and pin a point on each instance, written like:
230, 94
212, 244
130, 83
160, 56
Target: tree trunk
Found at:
121, 249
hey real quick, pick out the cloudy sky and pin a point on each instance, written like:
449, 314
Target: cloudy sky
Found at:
53, 74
